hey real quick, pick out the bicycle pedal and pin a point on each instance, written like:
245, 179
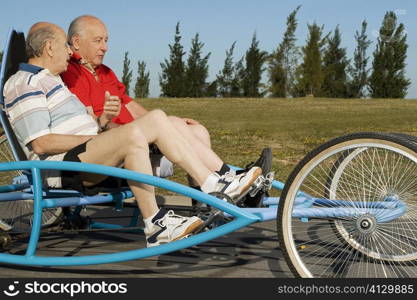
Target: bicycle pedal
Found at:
210, 219
257, 186
269, 178
255, 190
259, 181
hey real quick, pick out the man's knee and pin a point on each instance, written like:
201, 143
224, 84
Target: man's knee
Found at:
177, 121
201, 132
158, 116
135, 139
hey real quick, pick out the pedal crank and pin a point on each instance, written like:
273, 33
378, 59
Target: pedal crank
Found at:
262, 183
212, 216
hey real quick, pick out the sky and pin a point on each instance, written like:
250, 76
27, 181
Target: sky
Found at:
145, 28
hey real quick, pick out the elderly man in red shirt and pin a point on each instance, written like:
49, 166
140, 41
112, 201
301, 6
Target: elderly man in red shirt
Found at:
97, 86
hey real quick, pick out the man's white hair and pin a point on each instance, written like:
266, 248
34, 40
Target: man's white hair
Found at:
76, 26
36, 40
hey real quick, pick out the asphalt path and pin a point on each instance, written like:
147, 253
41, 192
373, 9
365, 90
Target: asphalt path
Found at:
251, 252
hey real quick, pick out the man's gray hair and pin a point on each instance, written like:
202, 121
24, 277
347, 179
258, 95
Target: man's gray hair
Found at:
36, 40
76, 26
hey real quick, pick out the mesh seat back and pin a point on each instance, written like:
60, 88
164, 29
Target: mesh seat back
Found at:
14, 53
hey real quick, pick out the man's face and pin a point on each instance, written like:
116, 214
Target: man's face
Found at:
61, 53
93, 42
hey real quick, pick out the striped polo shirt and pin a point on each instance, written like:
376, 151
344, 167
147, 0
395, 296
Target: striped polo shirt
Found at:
38, 103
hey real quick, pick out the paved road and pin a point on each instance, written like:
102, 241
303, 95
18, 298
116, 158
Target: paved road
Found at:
250, 252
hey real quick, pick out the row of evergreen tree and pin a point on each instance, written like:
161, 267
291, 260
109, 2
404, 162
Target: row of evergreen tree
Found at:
319, 68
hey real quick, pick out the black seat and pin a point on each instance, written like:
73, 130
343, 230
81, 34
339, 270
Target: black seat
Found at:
14, 54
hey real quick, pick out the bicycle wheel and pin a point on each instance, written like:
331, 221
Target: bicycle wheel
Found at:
347, 232
371, 200
19, 214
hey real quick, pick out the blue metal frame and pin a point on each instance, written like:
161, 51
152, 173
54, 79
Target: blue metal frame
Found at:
242, 216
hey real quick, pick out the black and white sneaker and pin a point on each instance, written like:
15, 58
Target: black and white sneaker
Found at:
167, 227
265, 163
235, 186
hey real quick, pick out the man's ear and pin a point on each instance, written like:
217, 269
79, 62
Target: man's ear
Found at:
75, 41
49, 48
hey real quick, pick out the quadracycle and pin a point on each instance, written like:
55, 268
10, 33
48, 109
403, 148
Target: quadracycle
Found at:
348, 209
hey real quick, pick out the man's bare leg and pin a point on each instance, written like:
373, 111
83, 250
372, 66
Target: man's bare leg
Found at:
128, 145
203, 150
201, 133
158, 129
123, 146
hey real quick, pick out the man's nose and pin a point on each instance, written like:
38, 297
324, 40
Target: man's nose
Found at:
104, 46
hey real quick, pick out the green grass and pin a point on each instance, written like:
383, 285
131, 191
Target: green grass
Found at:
240, 128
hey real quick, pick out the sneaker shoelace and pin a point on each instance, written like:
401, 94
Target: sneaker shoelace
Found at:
229, 176
170, 218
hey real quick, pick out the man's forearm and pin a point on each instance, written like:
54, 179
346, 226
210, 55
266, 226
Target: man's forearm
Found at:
135, 109
58, 143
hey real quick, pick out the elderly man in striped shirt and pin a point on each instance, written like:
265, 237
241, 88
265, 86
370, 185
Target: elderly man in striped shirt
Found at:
52, 124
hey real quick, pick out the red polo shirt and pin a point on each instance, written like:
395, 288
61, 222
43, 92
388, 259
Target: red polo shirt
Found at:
90, 91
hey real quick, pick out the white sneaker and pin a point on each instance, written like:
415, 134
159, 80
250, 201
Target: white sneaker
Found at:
168, 227
236, 186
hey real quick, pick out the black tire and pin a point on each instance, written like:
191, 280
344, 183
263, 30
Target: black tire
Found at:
411, 138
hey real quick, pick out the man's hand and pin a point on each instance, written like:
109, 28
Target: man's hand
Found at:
111, 109
190, 121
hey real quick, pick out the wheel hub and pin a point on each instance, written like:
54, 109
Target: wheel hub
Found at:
366, 223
